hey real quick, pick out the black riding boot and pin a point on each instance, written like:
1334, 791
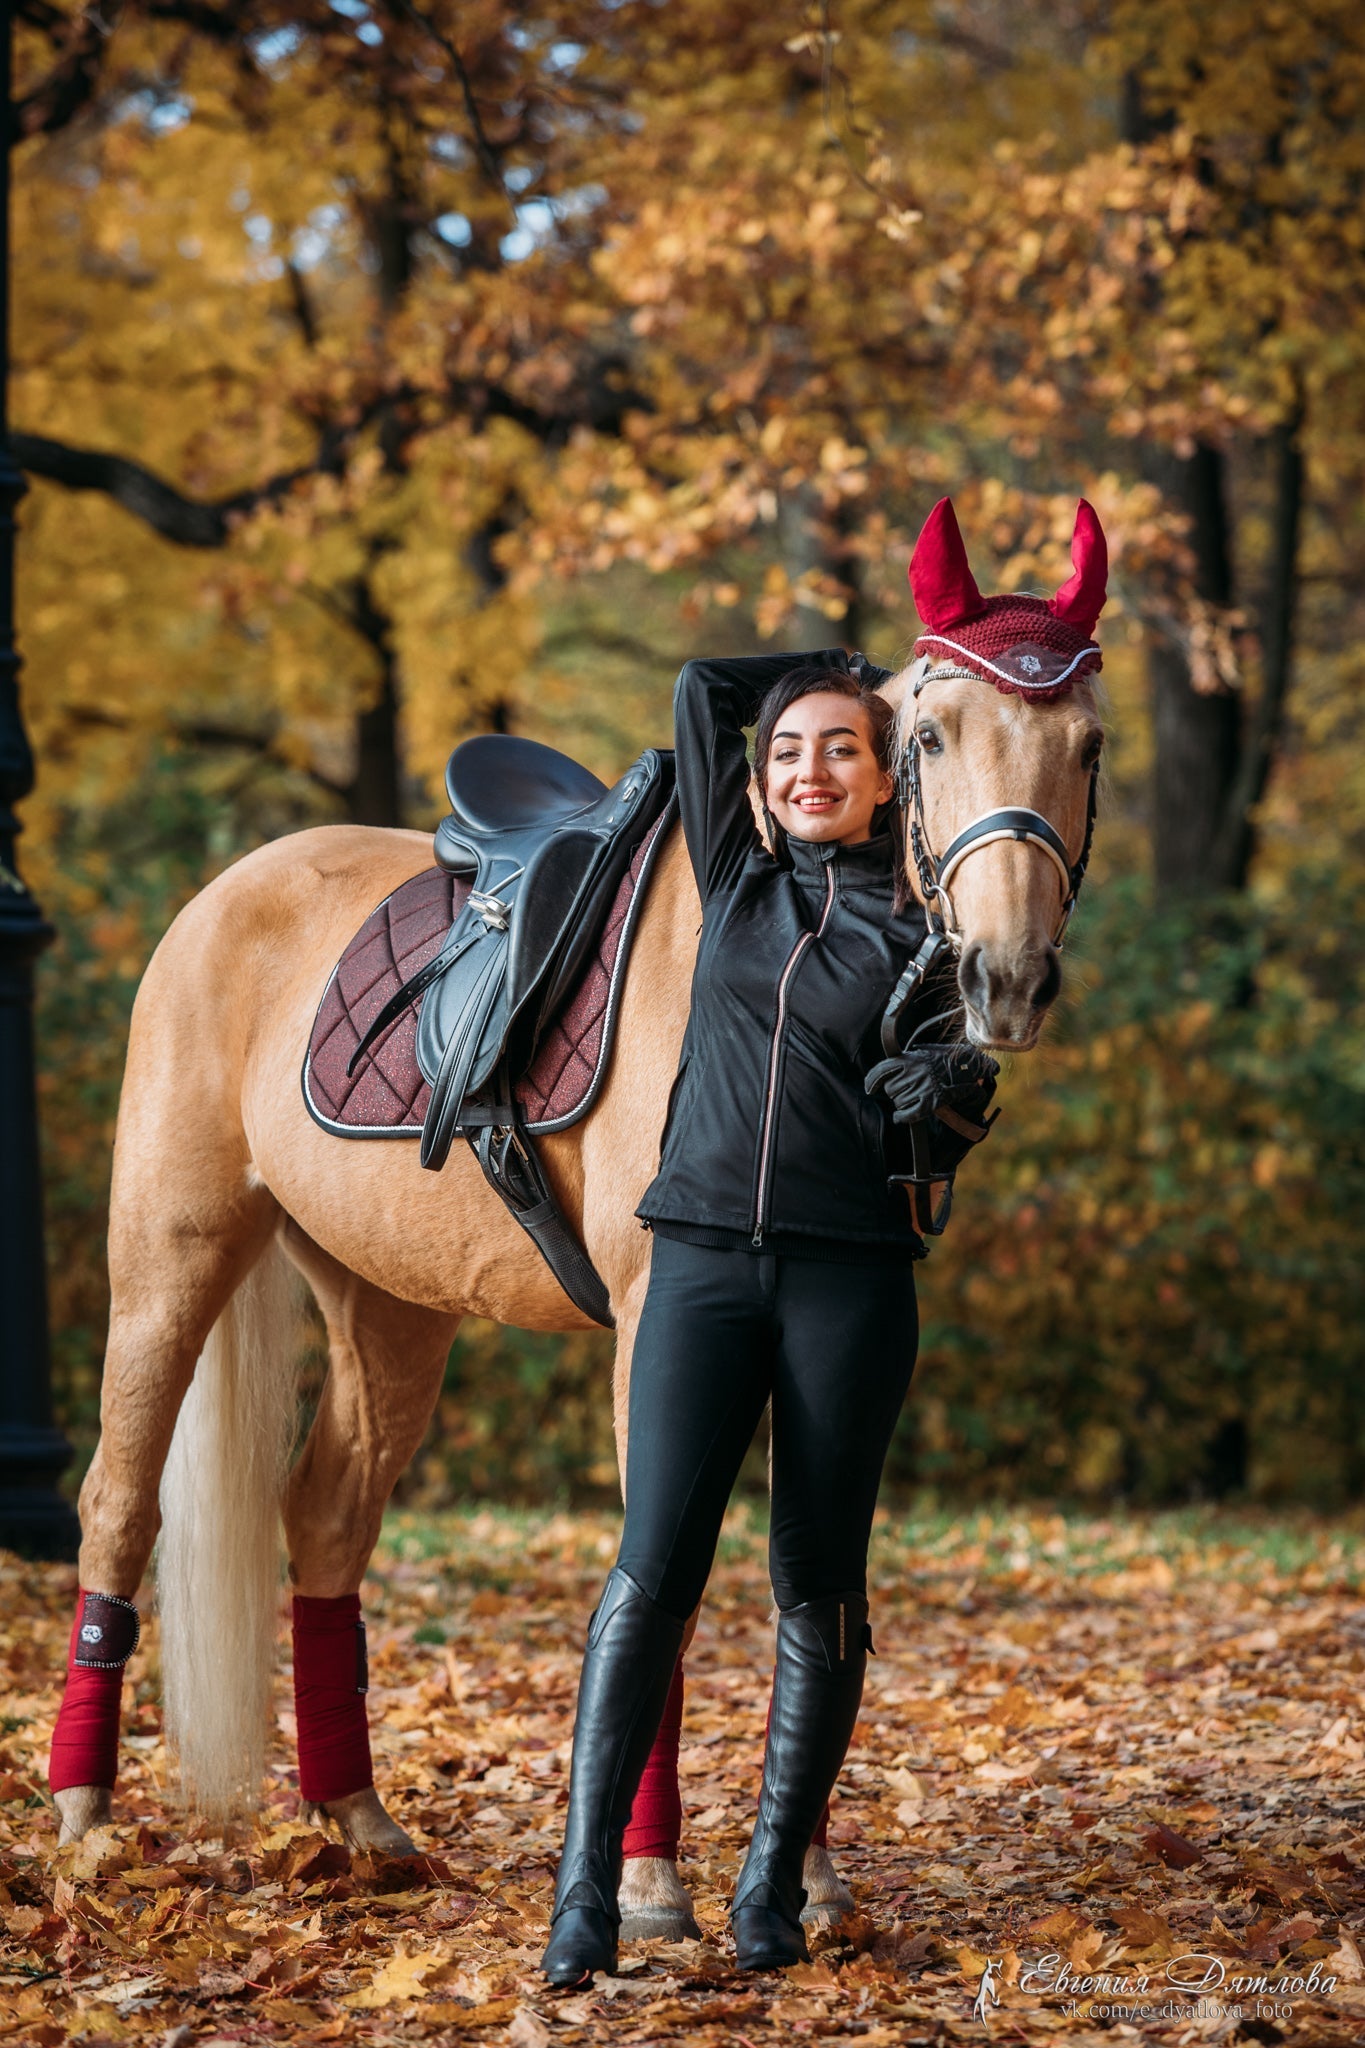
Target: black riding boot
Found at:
818, 1684
627, 1671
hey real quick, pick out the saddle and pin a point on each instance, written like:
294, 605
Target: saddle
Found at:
544, 846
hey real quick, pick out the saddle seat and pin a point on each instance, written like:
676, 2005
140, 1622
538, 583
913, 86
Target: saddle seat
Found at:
499, 783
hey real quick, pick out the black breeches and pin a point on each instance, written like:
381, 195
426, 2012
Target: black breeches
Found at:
722, 1332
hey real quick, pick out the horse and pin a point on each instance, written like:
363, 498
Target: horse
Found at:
224, 1189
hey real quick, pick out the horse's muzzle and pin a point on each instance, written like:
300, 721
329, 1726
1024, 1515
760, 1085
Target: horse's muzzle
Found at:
1008, 994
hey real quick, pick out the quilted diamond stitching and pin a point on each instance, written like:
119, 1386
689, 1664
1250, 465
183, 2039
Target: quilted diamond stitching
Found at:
388, 1091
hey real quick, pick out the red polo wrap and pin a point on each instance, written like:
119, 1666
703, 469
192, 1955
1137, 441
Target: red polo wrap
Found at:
85, 1739
655, 1825
330, 1682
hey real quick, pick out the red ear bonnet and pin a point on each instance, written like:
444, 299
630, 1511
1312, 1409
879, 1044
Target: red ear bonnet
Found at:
1081, 598
1026, 646
941, 580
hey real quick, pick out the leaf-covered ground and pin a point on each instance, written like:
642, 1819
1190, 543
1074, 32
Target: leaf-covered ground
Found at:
1093, 1747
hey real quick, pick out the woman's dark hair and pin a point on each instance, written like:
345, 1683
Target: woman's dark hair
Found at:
804, 682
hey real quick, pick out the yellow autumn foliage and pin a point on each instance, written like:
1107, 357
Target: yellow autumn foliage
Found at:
487, 364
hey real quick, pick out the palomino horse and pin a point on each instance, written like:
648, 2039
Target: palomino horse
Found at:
222, 1182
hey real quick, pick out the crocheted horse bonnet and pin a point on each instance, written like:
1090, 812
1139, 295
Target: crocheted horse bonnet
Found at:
1027, 646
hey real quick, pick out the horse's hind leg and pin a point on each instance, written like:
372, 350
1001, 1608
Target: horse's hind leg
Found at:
386, 1362
179, 1245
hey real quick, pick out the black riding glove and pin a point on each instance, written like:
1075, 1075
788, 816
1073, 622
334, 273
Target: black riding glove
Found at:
942, 1092
928, 1078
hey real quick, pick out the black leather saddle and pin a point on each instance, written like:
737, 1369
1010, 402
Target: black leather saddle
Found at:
544, 846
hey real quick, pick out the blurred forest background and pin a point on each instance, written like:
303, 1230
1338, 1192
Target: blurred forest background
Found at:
388, 372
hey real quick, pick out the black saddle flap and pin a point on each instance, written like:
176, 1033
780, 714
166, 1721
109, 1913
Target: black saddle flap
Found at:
545, 871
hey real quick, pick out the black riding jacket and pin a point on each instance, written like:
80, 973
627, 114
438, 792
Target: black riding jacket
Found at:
771, 1143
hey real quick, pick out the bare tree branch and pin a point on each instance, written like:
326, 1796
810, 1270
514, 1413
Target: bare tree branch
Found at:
79, 42
189, 522
203, 732
483, 149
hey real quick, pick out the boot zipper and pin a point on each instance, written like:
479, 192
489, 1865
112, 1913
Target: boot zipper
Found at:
775, 1058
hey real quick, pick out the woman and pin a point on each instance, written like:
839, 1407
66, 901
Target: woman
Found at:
782, 1268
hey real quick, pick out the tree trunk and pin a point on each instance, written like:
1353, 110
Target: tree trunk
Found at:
1236, 844
814, 540
374, 793
1197, 734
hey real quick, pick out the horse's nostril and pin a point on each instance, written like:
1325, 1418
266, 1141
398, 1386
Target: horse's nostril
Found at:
1050, 985
973, 975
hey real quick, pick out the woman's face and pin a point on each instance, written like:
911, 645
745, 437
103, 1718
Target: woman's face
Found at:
824, 779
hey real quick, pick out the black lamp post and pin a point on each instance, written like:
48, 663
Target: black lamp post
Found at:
33, 1516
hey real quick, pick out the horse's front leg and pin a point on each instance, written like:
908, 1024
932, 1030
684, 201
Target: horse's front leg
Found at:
655, 1903
386, 1362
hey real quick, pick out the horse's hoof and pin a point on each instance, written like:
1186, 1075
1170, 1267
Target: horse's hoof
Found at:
828, 1898
364, 1824
653, 1902
80, 1808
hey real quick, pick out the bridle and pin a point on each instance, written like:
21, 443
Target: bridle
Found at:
934, 871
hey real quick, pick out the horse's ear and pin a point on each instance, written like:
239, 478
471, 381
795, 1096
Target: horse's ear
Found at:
941, 580
1081, 598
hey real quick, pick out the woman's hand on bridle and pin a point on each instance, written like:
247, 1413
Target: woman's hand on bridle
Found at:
928, 1078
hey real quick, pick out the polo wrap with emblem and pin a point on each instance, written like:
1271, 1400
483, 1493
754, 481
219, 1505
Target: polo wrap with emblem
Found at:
107, 1632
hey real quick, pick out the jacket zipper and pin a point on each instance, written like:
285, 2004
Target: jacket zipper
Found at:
775, 1058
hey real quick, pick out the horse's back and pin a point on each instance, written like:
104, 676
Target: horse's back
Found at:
238, 974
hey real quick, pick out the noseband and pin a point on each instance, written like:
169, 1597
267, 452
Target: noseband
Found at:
935, 871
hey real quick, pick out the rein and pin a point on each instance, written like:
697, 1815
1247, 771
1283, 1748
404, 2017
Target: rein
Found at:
935, 871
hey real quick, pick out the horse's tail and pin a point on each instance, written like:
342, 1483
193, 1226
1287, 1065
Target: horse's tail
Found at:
218, 1560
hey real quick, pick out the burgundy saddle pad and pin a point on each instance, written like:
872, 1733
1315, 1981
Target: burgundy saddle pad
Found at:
387, 1095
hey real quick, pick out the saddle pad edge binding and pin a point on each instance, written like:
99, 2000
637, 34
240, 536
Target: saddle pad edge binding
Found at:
653, 842
336, 1130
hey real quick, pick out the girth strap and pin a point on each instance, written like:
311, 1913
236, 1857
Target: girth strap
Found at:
513, 1171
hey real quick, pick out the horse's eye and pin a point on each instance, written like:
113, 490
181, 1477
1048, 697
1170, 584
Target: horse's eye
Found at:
1091, 751
930, 741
